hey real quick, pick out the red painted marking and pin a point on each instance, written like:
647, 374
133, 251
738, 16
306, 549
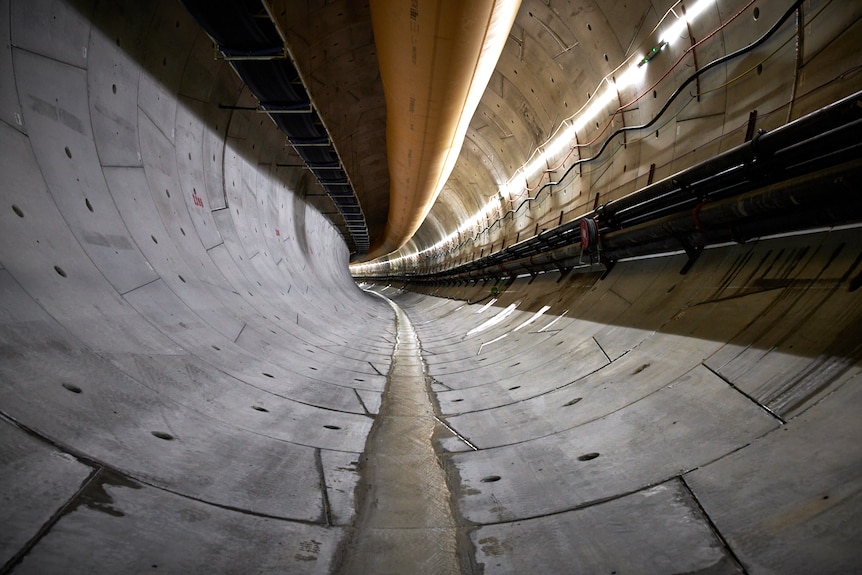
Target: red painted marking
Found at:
277, 233
199, 202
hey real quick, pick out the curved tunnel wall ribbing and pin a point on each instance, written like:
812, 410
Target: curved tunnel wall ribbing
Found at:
188, 373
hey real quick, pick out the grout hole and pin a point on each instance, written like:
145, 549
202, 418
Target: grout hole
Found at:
457, 400
17, 211
331, 427
588, 456
68, 151
490, 479
163, 435
259, 408
89, 205
182, 231
114, 88
269, 375
217, 348
182, 279
155, 241
756, 13
759, 69
513, 388
60, 271
167, 192
72, 387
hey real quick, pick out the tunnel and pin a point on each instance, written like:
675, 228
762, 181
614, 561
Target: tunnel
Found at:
624, 337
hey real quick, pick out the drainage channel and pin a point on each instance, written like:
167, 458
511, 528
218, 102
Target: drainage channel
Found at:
404, 522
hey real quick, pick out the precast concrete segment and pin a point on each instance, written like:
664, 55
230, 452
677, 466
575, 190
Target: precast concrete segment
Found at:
173, 311
405, 523
720, 414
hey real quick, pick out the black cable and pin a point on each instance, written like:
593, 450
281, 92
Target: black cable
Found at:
718, 61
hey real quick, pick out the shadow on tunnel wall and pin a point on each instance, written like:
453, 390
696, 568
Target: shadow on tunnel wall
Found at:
165, 41
793, 294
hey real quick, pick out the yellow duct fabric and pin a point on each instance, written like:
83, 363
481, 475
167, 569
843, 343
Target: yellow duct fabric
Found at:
436, 58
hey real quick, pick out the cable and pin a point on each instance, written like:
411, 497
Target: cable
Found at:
718, 61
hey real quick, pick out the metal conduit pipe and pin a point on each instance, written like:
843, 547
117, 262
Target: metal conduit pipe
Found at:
822, 199
825, 194
840, 115
793, 178
436, 58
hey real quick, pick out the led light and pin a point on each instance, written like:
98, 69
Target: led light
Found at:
676, 29
630, 77
517, 184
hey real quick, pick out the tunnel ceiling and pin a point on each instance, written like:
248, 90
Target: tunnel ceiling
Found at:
558, 59
562, 61
192, 381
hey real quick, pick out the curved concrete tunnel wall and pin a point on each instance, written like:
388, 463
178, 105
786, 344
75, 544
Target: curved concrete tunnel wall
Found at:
648, 422
180, 332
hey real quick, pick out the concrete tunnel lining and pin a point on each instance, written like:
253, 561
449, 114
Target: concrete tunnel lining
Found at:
190, 388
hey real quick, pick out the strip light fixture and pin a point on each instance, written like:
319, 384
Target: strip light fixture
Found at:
562, 140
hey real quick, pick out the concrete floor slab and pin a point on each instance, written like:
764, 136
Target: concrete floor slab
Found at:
656, 530
37, 480
142, 529
790, 501
637, 446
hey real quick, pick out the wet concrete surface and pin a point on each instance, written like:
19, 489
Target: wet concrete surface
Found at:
404, 523
192, 389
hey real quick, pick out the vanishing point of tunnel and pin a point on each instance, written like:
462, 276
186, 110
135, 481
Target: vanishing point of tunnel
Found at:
431, 287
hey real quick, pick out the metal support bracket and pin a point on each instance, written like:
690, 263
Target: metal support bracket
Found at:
693, 252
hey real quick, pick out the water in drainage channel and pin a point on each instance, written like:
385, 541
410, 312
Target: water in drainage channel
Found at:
405, 522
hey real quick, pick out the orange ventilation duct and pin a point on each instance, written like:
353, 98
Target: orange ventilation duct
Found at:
436, 57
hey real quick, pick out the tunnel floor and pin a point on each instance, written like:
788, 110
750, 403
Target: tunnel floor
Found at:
404, 524
191, 381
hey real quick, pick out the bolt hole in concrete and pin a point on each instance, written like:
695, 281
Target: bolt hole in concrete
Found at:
114, 88
88, 204
490, 479
572, 402
72, 387
18, 211
269, 375
331, 427
68, 152
259, 408
217, 348
155, 241
60, 271
182, 279
457, 400
588, 456
756, 13
163, 435
513, 388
